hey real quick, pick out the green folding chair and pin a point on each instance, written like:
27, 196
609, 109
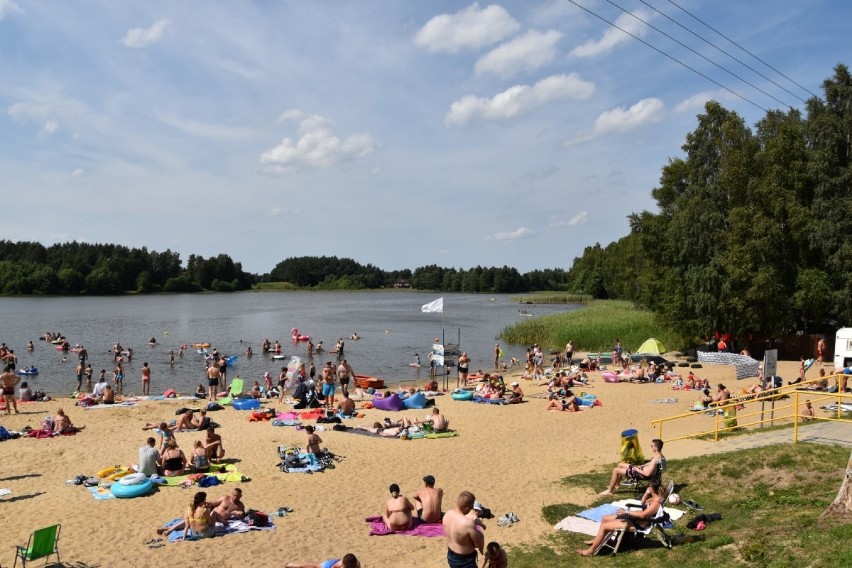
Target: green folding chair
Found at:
42, 544
236, 388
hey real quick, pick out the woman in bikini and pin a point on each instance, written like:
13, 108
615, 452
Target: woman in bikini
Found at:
651, 503
200, 461
197, 522
397, 512
174, 462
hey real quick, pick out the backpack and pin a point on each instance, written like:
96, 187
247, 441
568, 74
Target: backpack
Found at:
208, 481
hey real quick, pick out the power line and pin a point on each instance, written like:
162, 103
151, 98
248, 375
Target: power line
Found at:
702, 56
696, 71
741, 47
713, 45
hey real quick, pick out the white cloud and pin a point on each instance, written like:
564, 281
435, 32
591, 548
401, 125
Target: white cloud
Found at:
274, 212
696, 102
471, 28
204, 130
519, 99
78, 173
8, 7
317, 146
613, 37
622, 120
50, 127
138, 38
578, 219
293, 114
519, 233
528, 52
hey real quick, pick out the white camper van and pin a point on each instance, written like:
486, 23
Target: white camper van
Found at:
843, 348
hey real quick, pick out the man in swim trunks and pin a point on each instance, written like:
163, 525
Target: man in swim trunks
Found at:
212, 381
348, 561
464, 366
346, 406
89, 372
463, 540
344, 374
328, 386
9, 379
429, 497
820, 350
146, 378
80, 369
438, 420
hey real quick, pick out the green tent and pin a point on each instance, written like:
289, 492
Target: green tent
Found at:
651, 347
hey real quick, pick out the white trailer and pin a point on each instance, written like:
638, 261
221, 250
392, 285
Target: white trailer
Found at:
843, 348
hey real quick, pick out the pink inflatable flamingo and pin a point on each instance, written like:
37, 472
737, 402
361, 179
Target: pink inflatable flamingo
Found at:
297, 337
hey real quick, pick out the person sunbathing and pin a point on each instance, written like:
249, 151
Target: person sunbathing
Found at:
397, 511
197, 523
185, 422
630, 471
348, 561
652, 501
173, 459
516, 395
62, 424
388, 429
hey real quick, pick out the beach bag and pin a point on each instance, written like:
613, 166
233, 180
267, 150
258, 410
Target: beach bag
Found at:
256, 518
214, 406
208, 481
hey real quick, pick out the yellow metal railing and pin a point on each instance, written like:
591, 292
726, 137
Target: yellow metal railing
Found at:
730, 416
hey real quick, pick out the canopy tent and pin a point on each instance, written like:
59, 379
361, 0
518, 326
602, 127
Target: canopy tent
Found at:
651, 346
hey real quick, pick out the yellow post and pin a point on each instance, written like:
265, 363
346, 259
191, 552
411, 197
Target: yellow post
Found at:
716, 429
796, 417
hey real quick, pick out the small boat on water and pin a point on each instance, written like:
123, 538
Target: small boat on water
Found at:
366, 382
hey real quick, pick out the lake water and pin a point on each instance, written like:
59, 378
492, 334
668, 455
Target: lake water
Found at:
391, 325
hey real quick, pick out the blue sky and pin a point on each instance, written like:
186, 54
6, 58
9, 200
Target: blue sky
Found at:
397, 133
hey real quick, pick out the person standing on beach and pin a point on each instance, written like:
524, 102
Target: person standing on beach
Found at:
118, 376
327, 387
464, 368
212, 381
344, 375
820, 350
89, 372
146, 378
463, 540
9, 379
497, 355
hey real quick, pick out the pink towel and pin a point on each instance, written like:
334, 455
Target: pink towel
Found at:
379, 528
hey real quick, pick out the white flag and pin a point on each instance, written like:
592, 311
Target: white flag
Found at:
436, 306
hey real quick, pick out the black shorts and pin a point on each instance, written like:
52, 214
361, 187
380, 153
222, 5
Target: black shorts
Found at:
212, 381
344, 382
456, 560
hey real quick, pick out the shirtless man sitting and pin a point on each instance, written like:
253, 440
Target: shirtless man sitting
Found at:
213, 445
631, 471
185, 422
62, 424
463, 540
722, 395
429, 497
438, 420
346, 406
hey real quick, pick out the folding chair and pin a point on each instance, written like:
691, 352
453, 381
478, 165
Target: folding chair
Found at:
43, 543
641, 484
613, 540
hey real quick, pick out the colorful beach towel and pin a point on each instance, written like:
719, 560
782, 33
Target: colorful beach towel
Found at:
101, 493
230, 474
232, 527
379, 528
483, 400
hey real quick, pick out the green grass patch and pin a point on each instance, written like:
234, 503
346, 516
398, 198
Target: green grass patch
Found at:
594, 327
769, 516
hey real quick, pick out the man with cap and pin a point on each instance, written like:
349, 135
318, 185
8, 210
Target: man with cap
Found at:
429, 500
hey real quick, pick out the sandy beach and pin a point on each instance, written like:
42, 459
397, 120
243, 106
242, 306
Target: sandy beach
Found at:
511, 457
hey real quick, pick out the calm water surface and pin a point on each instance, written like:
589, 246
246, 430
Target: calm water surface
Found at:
391, 325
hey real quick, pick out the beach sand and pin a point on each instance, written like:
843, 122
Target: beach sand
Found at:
511, 457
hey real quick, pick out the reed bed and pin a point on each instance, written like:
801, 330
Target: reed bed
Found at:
594, 328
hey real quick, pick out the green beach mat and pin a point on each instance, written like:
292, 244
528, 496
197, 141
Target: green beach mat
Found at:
231, 474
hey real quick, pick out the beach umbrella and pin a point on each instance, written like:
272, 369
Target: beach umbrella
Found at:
652, 347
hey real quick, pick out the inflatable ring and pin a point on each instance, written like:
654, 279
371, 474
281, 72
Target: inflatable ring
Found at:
459, 394
133, 479
130, 491
245, 403
201, 345
683, 364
